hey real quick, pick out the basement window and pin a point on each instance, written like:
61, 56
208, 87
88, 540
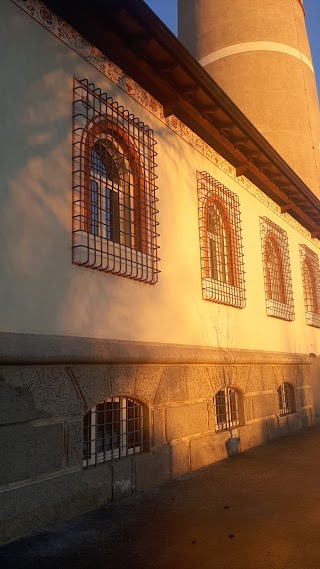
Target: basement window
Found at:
116, 428
286, 399
228, 406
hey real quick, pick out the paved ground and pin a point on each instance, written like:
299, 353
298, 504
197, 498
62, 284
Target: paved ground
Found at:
258, 510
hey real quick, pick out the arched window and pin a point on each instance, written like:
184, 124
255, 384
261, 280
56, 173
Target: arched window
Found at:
228, 406
219, 234
220, 242
114, 201
286, 399
277, 270
105, 182
117, 208
310, 288
274, 270
113, 429
310, 273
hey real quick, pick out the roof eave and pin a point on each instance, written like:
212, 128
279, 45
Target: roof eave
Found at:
130, 34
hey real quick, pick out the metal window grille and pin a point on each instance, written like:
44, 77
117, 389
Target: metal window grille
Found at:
277, 271
311, 285
115, 428
222, 267
228, 409
286, 399
114, 190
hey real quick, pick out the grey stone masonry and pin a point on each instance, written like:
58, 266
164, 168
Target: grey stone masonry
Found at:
42, 479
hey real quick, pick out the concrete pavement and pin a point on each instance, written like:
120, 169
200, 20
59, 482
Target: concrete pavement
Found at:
257, 510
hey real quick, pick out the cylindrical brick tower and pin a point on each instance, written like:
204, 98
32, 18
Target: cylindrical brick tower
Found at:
258, 52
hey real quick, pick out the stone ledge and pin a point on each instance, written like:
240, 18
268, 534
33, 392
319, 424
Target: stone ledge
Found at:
20, 349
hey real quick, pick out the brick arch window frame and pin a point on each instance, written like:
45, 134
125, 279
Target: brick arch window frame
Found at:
105, 129
97, 117
310, 274
276, 270
275, 289
310, 286
228, 288
228, 408
225, 241
115, 428
286, 399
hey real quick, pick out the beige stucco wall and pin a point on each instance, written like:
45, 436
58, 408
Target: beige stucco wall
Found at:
43, 293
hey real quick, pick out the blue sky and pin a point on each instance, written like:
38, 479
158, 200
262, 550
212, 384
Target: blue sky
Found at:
167, 11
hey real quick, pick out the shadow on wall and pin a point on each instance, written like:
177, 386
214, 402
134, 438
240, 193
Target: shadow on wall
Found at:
36, 167
232, 445
48, 293
36, 182
35, 216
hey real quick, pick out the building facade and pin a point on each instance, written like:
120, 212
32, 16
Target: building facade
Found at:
160, 296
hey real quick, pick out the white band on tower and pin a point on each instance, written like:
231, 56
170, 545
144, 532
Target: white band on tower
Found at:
255, 46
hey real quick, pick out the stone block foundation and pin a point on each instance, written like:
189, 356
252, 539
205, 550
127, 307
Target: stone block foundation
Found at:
42, 479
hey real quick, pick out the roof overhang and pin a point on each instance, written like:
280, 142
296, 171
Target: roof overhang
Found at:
134, 38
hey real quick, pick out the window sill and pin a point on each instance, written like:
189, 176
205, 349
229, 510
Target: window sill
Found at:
279, 310
222, 293
313, 319
287, 415
106, 458
227, 431
100, 253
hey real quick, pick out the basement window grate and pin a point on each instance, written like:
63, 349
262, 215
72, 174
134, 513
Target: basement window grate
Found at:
286, 399
228, 408
116, 428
